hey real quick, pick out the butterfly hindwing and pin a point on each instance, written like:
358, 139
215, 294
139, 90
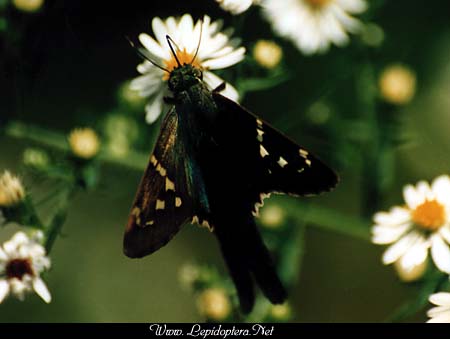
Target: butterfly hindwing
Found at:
163, 203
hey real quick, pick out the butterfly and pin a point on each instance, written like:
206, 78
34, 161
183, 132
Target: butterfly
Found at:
213, 164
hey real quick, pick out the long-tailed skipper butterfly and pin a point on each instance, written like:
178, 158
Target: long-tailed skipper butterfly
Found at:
213, 164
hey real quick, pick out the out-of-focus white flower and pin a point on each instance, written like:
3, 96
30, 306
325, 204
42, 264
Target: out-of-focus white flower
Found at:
217, 51
28, 5
84, 142
11, 190
397, 84
440, 313
272, 216
236, 7
281, 312
214, 304
267, 53
421, 225
22, 260
188, 275
313, 25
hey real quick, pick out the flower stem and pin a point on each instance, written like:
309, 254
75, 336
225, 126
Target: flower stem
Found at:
371, 171
16, 129
326, 218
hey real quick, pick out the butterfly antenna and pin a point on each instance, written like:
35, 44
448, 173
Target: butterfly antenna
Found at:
145, 57
199, 41
170, 42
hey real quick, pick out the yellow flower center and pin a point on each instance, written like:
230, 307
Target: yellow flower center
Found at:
184, 58
318, 4
429, 215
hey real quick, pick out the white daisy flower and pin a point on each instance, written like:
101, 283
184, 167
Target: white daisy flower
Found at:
440, 313
21, 262
422, 225
313, 25
217, 50
236, 7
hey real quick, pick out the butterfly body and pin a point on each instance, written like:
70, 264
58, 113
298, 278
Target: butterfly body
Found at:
213, 164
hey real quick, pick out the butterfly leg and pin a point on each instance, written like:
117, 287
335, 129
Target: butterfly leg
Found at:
220, 88
170, 100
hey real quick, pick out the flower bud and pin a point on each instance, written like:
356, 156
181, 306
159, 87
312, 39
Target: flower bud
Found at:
11, 190
214, 304
28, 5
84, 143
267, 53
397, 84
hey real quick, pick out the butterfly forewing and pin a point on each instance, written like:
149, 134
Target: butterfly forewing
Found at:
162, 203
267, 161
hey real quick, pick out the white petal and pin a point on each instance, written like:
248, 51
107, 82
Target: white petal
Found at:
41, 289
395, 251
444, 231
154, 108
152, 46
424, 189
440, 253
213, 81
4, 290
441, 189
226, 60
147, 84
396, 216
353, 6
440, 299
187, 39
3, 256
443, 318
415, 256
160, 31
412, 197
435, 311
386, 235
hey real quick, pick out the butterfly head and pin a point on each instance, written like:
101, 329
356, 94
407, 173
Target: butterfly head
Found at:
184, 77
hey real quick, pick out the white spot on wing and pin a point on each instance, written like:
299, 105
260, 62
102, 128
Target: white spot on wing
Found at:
282, 162
161, 170
153, 160
260, 135
177, 202
149, 223
263, 151
169, 185
160, 204
303, 153
137, 215
206, 224
259, 122
308, 162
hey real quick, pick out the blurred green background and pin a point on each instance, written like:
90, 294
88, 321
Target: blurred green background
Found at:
72, 59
